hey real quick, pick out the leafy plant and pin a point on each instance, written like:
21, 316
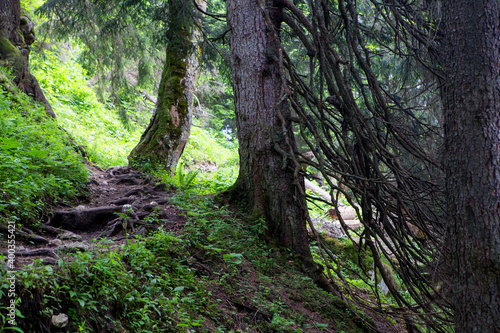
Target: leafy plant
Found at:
92, 124
182, 179
38, 162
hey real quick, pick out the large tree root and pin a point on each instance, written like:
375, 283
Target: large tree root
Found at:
27, 236
86, 219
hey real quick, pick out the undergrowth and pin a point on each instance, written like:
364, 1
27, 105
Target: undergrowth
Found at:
38, 162
220, 275
94, 125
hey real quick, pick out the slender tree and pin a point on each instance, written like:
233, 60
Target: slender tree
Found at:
16, 36
471, 99
166, 136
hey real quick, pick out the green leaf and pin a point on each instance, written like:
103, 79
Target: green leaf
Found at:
6, 143
235, 258
37, 153
19, 314
179, 289
17, 329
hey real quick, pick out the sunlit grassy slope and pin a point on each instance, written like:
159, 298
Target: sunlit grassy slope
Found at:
92, 124
97, 126
38, 163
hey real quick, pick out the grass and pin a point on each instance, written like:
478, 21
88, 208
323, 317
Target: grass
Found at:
92, 124
38, 162
222, 274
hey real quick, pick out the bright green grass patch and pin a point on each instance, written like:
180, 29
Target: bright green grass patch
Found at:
93, 125
38, 165
209, 163
208, 147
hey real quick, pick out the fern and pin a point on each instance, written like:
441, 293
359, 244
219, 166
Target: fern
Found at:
184, 180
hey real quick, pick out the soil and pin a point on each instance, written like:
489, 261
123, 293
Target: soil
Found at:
119, 199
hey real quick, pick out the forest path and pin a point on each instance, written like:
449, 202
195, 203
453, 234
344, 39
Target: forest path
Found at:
122, 203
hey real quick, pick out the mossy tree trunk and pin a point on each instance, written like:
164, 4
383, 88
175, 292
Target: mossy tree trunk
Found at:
266, 179
16, 36
165, 138
471, 100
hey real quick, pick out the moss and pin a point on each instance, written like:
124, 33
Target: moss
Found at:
5, 82
349, 252
7, 48
162, 138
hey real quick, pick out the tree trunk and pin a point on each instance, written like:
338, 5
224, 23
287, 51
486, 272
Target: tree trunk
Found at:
266, 178
163, 142
16, 36
471, 98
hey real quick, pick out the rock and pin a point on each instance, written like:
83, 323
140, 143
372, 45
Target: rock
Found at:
141, 232
76, 247
347, 213
68, 235
55, 243
351, 224
60, 321
162, 201
160, 187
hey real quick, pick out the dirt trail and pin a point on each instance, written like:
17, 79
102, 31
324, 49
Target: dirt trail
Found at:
122, 203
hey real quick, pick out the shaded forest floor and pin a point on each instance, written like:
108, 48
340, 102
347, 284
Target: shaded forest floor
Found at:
137, 256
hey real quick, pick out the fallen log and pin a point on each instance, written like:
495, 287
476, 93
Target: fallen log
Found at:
318, 190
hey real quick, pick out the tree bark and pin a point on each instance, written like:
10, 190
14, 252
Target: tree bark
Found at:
16, 36
165, 138
266, 179
471, 98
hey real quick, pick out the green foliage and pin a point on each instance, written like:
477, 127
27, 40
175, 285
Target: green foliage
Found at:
38, 164
209, 147
93, 125
209, 163
143, 286
29, 6
119, 38
184, 180
242, 244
